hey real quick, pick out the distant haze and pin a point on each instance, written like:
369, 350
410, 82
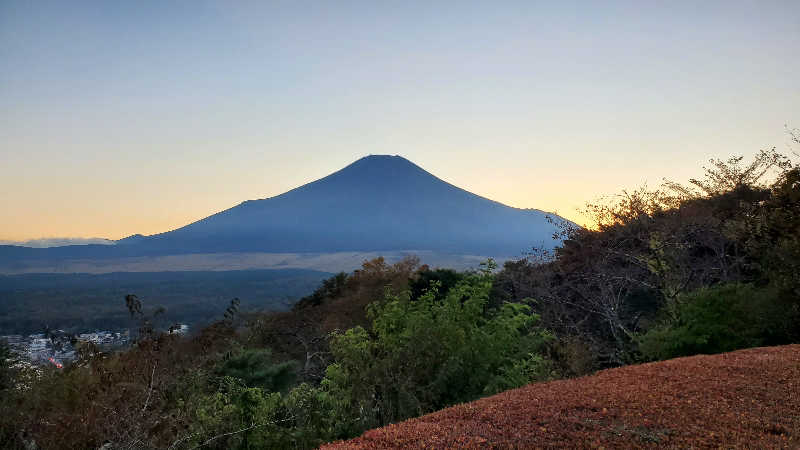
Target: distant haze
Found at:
141, 117
57, 242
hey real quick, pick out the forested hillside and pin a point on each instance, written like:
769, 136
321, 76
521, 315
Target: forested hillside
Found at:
708, 267
29, 303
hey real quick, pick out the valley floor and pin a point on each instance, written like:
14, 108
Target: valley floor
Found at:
744, 399
327, 262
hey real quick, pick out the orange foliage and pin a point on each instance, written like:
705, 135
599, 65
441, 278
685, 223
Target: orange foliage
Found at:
302, 333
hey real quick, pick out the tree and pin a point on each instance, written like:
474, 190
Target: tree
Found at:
426, 353
8, 369
650, 248
302, 334
731, 174
256, 368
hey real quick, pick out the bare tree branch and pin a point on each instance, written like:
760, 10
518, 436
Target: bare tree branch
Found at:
150, 390
231, 433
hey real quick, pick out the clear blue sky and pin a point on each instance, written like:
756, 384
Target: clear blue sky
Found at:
139, 117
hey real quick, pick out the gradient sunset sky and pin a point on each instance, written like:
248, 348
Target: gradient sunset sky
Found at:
139, 117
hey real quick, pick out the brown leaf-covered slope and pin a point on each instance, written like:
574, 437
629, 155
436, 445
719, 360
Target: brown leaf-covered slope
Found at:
745, 399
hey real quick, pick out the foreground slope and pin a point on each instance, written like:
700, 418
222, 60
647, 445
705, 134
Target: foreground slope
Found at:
745, 399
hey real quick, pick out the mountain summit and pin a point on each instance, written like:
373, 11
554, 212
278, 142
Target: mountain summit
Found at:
378, 203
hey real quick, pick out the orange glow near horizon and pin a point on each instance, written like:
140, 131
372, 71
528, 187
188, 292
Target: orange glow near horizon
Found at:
122, 118
142, 214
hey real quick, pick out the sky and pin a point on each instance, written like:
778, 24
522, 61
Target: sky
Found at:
140, 117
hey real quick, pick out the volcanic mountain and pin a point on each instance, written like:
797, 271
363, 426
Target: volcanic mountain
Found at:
378, 203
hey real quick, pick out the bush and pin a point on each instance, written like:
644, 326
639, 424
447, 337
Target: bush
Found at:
237, 416
571, 356
424, 354
720, 319
256, 368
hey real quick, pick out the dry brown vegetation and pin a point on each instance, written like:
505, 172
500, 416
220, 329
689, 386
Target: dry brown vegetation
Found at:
744, 399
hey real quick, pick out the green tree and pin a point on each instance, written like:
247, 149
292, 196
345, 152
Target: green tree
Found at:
256, 368
240, 417
424, 354
720, 319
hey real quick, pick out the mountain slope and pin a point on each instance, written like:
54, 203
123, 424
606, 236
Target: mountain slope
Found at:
378, 203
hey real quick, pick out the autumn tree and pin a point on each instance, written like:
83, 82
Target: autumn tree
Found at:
647, 250
302, 333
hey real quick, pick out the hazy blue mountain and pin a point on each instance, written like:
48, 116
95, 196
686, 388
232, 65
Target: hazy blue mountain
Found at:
378, 203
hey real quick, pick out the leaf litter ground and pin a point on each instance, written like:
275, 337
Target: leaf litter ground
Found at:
744, 399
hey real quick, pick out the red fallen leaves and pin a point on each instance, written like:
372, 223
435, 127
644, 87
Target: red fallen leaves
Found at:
744, 399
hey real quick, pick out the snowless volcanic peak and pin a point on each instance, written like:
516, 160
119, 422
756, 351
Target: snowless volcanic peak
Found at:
377, 203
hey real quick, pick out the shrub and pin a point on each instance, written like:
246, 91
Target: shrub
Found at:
256, 368
719, 319
237, 416
426, 353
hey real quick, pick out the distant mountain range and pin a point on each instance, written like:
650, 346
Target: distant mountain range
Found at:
378, 203
58, 242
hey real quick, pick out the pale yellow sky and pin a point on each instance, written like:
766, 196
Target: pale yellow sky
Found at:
117, 119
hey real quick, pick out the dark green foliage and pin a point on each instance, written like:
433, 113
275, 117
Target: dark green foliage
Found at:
231, 311
8, 380
8, 371
721, 319
773, 235
302, 333
256, 369
252, 414
444, 279
235, 416
427, 353
331, 288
